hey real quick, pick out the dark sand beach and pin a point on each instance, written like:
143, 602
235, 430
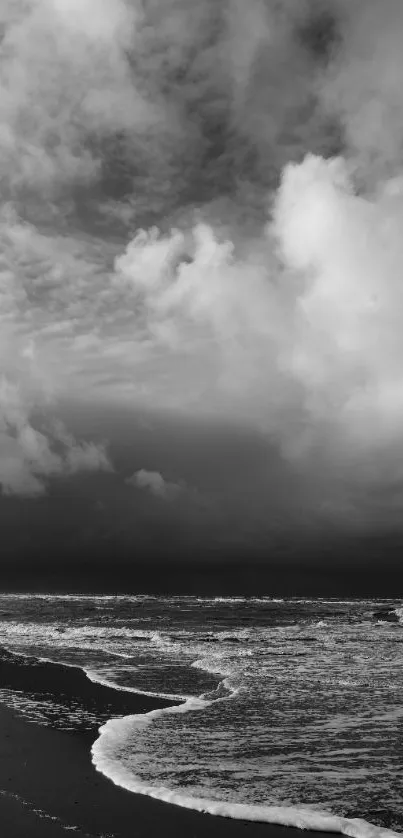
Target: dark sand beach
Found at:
48, 785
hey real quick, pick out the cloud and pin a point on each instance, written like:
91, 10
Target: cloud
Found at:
361, 86
155, 483
64, 81
265, 148
30, 455
131, 110
302, 327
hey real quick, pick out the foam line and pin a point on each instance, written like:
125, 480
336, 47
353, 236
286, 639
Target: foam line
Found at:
96, 679
114, 734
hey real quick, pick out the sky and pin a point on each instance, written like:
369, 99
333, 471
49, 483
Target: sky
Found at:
201, 306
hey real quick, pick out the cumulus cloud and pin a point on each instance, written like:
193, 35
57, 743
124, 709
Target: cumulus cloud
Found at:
29, 456
304, 326
155, 483
33, 445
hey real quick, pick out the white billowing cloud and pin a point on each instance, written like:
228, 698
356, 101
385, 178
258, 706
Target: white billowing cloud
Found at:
304, 324
209, 303
155, 483
346, 252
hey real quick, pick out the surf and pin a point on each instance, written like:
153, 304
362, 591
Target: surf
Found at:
112, 739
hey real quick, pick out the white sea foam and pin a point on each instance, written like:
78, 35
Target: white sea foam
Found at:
46, 711
112, 740
399, 614
61, 634
96, 678
118, 598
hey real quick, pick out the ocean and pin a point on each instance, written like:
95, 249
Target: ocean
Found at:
283, 710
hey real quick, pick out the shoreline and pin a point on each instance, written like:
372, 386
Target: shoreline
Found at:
49, 785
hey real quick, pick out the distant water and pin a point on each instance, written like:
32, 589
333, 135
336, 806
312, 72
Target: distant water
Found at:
292, 709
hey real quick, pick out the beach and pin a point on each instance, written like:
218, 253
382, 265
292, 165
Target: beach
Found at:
49, 787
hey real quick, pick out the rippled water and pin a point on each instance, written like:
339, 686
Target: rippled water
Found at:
301, 700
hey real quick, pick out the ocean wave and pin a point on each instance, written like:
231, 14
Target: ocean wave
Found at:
113, 737
94, 676
87, 636
263, 661
97, 678
80, 597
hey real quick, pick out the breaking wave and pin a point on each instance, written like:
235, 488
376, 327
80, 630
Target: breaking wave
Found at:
108, 758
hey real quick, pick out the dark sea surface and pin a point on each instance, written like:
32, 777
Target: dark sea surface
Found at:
291, 710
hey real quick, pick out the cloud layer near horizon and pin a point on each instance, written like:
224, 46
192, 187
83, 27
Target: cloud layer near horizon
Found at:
32, 451
155, 483
266, 148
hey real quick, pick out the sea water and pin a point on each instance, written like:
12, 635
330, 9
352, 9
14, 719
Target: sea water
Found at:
290, 711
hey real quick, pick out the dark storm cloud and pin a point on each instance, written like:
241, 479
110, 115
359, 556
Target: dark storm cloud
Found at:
163, 104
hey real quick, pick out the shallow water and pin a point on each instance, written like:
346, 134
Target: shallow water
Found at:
300, 699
